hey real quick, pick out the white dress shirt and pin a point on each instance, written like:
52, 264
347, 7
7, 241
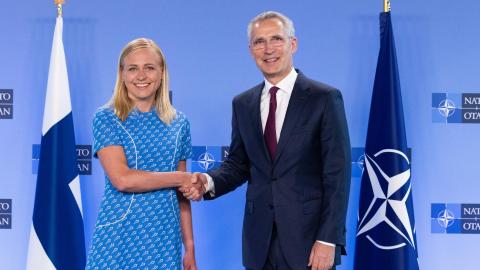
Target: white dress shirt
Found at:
283, 97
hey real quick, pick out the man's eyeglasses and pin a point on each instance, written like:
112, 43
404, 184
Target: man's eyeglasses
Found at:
261, 43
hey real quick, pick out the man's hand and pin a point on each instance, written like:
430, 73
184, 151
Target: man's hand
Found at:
194, 190
321, 256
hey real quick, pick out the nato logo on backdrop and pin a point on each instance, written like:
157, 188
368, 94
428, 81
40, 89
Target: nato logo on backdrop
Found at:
84, 158
456, 108
208, 157
5, 213
6, 103
455, 218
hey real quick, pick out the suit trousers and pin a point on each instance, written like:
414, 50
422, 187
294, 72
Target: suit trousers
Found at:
276, 260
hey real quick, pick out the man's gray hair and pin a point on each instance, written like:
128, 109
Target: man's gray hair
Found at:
287, 23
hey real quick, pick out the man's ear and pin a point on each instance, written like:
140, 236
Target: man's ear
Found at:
294, 44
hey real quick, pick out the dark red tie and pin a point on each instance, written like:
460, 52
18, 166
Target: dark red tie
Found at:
270, 133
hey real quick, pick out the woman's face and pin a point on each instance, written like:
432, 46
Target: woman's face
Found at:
142, 75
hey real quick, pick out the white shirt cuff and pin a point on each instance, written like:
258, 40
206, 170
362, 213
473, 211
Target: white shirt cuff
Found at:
210, 187
326, 243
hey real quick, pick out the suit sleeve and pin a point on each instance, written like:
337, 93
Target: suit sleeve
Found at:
234, 171
336, 168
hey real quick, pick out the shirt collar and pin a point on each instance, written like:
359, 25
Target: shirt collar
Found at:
286, 84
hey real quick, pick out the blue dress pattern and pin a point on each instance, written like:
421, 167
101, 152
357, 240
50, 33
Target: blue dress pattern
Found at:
140, 230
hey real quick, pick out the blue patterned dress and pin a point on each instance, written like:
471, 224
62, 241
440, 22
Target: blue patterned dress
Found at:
140, 230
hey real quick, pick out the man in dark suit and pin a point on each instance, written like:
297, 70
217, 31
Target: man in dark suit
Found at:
290, 142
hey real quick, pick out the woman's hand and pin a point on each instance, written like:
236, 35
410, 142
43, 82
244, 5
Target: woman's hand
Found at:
186, 188
185, 179
195, 187
189, 260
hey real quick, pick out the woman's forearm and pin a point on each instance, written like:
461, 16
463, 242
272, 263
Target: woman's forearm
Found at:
186, 222
144, 181
185, 215
126, 179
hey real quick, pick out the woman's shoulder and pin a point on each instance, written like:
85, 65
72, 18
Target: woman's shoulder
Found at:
180, 117
104, 112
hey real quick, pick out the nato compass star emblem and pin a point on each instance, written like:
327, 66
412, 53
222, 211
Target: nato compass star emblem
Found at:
445, 218
446, 108
206, 161
376, 213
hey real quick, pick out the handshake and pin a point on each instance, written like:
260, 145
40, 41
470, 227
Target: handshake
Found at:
194, 186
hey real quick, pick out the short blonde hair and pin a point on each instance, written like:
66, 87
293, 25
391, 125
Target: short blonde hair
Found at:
122, 104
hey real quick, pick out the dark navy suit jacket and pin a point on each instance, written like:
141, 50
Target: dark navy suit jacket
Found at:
305, 188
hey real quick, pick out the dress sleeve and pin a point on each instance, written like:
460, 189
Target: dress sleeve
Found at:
105, 131
185, 143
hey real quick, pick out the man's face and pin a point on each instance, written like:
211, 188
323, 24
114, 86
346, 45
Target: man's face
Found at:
272, 49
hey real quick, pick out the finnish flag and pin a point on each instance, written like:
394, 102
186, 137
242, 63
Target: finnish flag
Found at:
56, 236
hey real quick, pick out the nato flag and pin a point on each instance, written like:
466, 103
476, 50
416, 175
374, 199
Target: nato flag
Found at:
386, 226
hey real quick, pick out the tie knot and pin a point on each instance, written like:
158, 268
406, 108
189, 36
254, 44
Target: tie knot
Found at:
273, 90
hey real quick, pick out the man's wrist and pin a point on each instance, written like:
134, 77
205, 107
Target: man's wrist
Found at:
209, 185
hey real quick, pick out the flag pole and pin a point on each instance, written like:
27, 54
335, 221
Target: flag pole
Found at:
386, 5
59, 4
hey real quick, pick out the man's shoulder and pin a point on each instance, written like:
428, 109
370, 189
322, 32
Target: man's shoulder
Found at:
317, 89
249, 94
314, 85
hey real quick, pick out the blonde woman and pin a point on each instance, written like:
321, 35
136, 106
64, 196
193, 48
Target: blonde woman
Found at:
142, 143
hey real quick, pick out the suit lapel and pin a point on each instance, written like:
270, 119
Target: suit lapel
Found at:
296, 104
257, 119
